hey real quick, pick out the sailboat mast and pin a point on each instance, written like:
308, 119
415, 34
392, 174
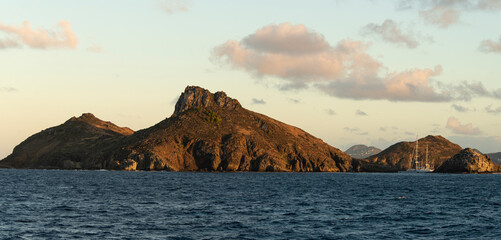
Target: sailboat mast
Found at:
416, 156
426, 161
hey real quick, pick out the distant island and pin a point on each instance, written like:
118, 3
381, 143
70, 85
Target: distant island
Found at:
213, 132
361, 151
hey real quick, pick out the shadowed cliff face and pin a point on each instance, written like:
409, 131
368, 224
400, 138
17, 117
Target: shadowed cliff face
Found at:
212, 132
469, 161
398, 156
78, 143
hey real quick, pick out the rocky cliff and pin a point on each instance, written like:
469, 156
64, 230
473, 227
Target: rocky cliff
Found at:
207, 132
79, 143
398, 156
213, 132
362, 151
469, 161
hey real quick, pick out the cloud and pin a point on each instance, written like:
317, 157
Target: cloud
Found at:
330, 112
294, 100
497, 93
443, 16
95, 48
303, 59
258, 101
489, 109
489, 5
460, 108
8, 89
490, 46
286, 39
409, 133
174, 6
445, 13
458, 128
382, 129
38, 38
390, 32
354, 129
360, 113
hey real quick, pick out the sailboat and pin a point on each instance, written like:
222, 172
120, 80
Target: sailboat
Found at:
418, 166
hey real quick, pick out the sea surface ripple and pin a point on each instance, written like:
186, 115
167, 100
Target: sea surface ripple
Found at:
53, 204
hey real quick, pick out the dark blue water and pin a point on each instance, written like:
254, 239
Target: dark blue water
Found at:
48, 204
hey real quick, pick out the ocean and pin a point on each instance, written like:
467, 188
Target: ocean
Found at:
57, 204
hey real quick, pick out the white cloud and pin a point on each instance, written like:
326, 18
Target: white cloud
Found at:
345, 70
490, 46
174, 6
456, 127
390, 32
38, 38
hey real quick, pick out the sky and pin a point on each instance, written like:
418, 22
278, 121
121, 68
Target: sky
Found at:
348, 72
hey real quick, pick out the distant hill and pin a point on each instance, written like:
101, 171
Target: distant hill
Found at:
207, 132
398, 156
362, 151
495, 157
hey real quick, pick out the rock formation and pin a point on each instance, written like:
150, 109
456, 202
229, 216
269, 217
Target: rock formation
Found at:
79, 143
361, 151
469, 161
207, 132
212, 132
398, 156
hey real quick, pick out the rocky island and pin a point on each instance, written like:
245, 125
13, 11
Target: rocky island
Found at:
398, 156
213, 132
469, 161
206, 132
361, 151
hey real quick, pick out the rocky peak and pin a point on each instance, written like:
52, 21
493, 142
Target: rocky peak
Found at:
194, 97
85, 117
92, 120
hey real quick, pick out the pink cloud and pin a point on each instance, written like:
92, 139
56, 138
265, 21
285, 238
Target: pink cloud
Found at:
302, 58
390, 32
457, 127
39, 38
443, 16
491, 46
174, 6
